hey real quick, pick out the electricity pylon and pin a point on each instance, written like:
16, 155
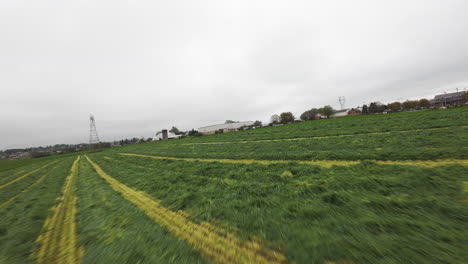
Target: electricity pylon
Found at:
342, 101
93, 135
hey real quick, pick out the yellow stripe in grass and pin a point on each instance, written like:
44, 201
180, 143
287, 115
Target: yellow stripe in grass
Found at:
425, 163
58, 242
25, 175
322, 163
26, 190
209, 240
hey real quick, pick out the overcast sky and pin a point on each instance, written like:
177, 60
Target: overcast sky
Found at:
141, 66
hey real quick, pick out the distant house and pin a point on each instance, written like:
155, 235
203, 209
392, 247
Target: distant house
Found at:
224, 127
449, 99
347, 112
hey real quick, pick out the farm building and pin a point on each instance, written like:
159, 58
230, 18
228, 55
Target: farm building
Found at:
449, 99
224, 127
347, 112
164, 135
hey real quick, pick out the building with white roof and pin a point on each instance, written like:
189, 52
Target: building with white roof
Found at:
224, 127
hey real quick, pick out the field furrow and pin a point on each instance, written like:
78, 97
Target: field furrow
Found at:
27, 189
322, 163
26, 175
212, 242
58, 242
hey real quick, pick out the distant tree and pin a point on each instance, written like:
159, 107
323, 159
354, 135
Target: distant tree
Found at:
194, 133
365, 110
174, 130
275, 119
395, 106
424, 103
257, 123
373, 108
309, 115
409, 105
326, 110
376, 107
149, 139
230, 122
287, 117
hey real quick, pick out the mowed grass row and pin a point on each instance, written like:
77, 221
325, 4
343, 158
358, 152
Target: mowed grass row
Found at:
22, 219
364, 213
421, 145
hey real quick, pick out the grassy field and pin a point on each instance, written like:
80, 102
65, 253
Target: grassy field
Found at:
364, 189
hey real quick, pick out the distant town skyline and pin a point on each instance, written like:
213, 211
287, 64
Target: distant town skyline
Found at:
143, 66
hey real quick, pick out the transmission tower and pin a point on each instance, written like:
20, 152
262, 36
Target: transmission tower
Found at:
342, 101
93, 135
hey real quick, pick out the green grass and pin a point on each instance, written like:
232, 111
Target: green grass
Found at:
112, 230
9, 164
420, 141
21, 221
364, 213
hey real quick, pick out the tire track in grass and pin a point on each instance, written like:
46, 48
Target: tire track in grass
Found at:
322, 163
319, 137
26, 175
58, 242
209, 240
27, 189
